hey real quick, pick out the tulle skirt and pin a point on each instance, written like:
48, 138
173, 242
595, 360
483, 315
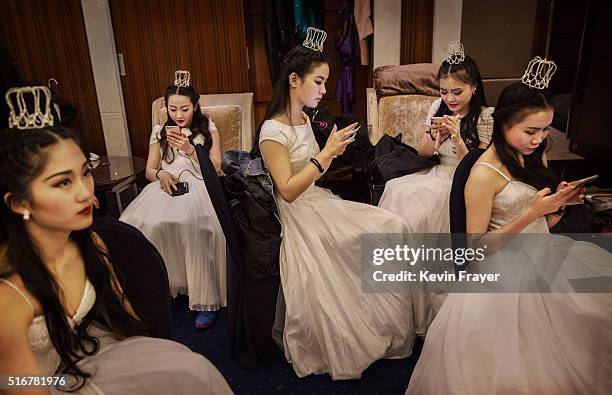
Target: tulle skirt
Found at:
187, 233
330, 325
525, 343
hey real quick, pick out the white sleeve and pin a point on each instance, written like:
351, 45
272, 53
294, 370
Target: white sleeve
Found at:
433, 109
155, 134
273, 131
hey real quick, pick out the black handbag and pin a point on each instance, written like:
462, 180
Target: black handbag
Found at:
391, 159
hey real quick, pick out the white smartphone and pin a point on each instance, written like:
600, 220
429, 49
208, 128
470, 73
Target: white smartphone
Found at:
436, 120
584, 181
352, 135
173, 129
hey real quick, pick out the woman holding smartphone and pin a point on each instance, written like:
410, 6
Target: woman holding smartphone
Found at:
330, 324
558, 342
457, 122
180, 219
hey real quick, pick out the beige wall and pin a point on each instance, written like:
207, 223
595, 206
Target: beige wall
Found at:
447, 27
387, 32
100, 38
498, 34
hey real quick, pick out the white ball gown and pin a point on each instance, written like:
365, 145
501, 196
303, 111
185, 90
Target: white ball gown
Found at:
422, 199
330, 325
524, 343
136, 365
186, 231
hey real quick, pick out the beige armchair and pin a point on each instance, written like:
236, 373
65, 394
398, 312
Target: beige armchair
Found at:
231, 112
399, 101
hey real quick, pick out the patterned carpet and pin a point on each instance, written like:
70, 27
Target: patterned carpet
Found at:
277, 376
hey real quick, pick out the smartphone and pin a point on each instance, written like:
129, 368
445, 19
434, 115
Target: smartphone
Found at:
436, 120
352, 135
584, 181
173, 129
181, 189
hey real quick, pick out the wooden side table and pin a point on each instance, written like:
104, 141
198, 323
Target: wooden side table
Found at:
115, 179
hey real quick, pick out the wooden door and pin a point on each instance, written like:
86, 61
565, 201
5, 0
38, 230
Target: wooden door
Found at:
48, 40
157, 37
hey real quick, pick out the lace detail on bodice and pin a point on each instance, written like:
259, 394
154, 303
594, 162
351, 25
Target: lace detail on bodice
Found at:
511, 202
47, 358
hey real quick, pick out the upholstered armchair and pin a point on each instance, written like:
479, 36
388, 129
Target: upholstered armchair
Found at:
400, 99
231, 112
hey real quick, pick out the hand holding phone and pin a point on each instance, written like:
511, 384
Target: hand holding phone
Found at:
173, 130
353, 134
583, 181
180, 188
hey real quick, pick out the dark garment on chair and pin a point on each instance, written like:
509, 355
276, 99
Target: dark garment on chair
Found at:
256, 281
143, 272
457, 197
390, 159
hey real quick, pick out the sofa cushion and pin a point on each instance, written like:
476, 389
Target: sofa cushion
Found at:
228, 119
418, 78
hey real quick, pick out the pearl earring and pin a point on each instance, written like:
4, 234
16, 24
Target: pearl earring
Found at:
26, 215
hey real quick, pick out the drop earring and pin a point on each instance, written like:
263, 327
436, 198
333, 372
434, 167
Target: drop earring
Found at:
26, 215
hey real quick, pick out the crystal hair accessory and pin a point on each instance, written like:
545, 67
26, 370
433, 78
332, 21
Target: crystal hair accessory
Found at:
315, 39
454, 53
19, 114
539, 72
181, 78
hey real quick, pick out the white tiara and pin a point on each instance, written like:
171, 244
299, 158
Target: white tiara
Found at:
19, 115
539, 72
314, 39
454, 53
181, 78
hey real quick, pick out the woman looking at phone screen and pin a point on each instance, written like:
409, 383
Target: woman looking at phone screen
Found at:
457, 122
184, 228
330, 325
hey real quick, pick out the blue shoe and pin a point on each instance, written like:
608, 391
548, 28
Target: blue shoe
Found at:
205, 319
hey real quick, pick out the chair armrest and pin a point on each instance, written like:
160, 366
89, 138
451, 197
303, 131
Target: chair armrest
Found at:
372, 115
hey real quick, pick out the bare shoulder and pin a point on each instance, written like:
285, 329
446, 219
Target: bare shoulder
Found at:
16, 355
15, 310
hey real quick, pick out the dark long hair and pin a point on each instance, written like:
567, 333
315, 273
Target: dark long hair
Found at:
299, 60
199, 124
466, 72
23, 156
514, 104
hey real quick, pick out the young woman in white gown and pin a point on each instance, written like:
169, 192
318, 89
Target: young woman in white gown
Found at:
522, 343
422, 199
462, 122
185, 229
63, 308
330, 325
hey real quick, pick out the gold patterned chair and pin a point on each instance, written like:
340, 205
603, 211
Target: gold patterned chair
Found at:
400, 99
232, 113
